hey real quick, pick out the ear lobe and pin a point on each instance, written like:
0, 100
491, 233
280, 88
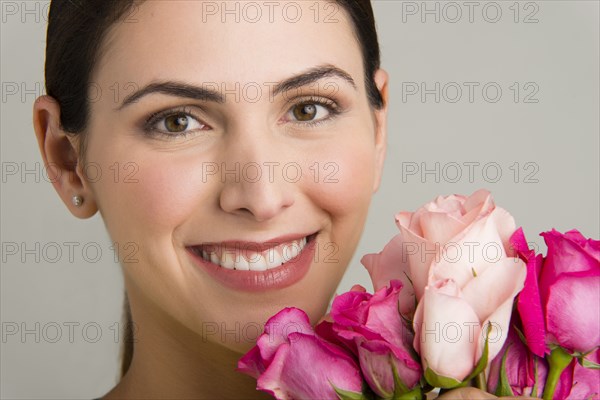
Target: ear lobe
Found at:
61, 157
381, 81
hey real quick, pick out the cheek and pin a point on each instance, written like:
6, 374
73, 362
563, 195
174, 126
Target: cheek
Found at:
155, 194
345, 176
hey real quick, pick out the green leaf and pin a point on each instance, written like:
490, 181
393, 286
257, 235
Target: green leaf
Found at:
412, 395
347, 394
484, 356
504, 388
587, 363
521, 335
399, 386
534, 389
440, 381
401, 391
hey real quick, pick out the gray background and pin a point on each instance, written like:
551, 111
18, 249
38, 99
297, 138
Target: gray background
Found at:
551, 129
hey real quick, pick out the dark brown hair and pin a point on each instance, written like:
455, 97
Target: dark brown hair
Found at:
76, 31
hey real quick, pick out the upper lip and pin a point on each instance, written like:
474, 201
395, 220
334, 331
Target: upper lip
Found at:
257, 246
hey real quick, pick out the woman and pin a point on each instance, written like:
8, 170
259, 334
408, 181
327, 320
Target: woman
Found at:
232, 151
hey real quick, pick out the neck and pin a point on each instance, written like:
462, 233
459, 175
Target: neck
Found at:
171, 361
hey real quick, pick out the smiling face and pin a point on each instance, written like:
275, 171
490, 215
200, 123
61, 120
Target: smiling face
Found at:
209, 132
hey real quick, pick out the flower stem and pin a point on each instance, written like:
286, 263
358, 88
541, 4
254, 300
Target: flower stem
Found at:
558, 360
480, 381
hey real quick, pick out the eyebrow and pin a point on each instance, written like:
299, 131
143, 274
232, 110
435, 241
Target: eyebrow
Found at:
186, 90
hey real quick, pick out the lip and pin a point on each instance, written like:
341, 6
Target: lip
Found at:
280, 277
255, 246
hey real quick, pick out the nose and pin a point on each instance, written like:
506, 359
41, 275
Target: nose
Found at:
253, 185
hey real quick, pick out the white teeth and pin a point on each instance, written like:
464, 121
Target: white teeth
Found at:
271, 258
291, 250
241, 263
257, 263
228, 260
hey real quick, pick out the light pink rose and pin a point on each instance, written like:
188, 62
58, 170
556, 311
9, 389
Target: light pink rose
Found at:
465, 277
451, 322
452, 232
436, 232
387, 265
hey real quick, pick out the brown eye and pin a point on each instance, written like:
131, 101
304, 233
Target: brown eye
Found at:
311, 111
305, 112
176, 123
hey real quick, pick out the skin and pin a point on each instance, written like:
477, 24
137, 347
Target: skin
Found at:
190, 330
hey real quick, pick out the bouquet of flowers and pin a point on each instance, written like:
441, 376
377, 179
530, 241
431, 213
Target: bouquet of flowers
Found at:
460, 299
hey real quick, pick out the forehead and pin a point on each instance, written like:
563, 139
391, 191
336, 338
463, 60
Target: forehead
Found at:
230, 41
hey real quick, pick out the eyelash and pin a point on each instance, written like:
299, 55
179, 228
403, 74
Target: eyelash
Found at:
156, 117
332, 108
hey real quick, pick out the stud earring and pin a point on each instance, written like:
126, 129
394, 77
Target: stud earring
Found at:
77, 200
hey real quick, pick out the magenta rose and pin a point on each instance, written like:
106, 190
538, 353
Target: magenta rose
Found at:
586, 381
560, 304
291, 362
570, 290
371, 327
524, 372
560, 309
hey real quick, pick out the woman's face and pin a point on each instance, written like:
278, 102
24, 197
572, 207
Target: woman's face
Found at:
240, 131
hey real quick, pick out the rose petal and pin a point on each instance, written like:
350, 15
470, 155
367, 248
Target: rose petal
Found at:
305, 367
419, 254
391, 264
573, 312
499, 322
586, 381
277, 329
529, 302
251, 363
496, 284
448, 331
439, 227
474, 249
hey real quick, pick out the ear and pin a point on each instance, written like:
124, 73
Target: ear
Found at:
381, 81
63, 163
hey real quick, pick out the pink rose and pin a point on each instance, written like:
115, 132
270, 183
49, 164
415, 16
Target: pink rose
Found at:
560, 304
529, 303
436, 232
451, 323
371, 327
570, 290
465, 278
389, 264
291, 362
586, 381
525, 373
